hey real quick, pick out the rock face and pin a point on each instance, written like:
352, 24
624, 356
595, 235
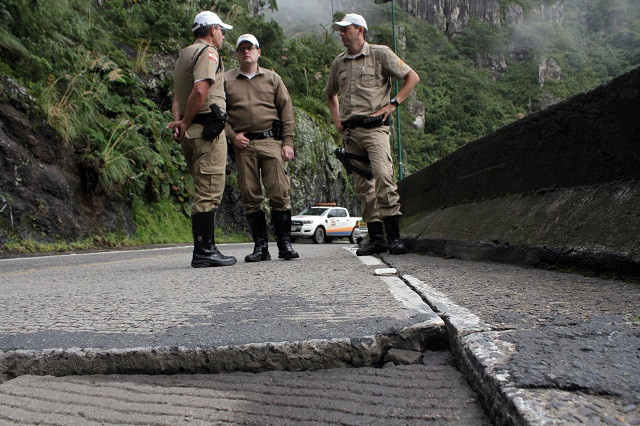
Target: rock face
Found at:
494, 61
549, 12
418, 110
453, 15
43, 195
548, 70
316, 174
514, 14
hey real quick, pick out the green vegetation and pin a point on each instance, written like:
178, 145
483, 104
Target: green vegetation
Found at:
88, 65
159, 223
597, 41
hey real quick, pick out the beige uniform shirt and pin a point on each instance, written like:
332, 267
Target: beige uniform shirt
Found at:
190, 68
253, 104
363, 82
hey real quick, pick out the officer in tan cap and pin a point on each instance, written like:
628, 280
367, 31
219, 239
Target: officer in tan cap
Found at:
261, 127
199, 91
358, 93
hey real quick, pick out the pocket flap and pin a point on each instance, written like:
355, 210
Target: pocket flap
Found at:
206, 169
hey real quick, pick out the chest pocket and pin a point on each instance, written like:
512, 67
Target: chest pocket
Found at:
368, 75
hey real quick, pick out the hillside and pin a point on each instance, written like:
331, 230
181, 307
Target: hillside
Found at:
86, 93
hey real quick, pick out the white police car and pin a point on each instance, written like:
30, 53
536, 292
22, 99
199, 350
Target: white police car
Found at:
324, 222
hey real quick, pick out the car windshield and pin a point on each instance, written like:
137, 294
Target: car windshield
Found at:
313, 211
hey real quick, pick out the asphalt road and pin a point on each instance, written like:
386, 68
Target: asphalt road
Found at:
529, 346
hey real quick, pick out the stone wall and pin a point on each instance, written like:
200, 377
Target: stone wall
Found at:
558, 187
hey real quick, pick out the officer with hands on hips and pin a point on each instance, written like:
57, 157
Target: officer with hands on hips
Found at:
358, 93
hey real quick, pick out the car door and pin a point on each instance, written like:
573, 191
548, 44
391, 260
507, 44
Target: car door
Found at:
332, 221
338, 223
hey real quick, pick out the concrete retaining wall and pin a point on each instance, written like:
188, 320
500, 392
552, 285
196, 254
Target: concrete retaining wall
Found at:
559, 187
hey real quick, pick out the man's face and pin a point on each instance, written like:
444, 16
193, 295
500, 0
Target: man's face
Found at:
218, 37
349, 35
247, 53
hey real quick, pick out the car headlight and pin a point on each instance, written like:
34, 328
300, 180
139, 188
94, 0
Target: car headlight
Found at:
307, 222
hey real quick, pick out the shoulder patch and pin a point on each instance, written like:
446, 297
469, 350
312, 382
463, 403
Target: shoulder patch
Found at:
213, 56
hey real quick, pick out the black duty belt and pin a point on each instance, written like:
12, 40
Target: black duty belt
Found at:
368, 122
262, 135
201, 118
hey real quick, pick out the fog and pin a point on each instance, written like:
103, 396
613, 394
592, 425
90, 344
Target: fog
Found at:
549, 27
304, 16
563, 25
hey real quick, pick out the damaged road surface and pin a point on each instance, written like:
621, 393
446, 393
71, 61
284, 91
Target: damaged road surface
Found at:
133, 336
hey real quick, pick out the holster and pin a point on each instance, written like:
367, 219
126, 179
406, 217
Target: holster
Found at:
278, 132
345, 158
213, 122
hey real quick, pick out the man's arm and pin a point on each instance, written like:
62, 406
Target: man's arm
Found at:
175, 112
175, 109
334, 107
411, 79
196, 99
410, 82
284, 106
194, 103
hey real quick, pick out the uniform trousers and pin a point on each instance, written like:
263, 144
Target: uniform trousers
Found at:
207, 161
262, 159
379, 196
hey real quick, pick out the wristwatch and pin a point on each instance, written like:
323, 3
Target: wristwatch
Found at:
395, 102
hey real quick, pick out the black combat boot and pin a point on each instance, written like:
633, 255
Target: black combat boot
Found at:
392, 227
205, 252
258, 227
282, 224
376, 242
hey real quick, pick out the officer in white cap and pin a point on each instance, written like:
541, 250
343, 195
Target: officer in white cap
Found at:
358, 94
199, 85
261, 127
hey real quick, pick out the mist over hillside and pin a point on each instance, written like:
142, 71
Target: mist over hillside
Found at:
304, 16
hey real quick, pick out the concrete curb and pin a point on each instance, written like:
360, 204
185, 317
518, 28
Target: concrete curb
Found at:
480, 355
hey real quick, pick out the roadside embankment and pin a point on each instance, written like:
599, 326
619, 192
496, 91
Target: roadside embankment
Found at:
560, 187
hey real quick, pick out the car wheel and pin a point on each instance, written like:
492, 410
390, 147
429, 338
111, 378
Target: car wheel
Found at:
318, 235
352, 238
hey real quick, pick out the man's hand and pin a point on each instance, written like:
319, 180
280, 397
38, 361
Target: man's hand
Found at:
287, 153
179, 129
385, 111
240, 141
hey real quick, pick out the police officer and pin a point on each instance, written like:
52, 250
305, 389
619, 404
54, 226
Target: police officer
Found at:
261, 127
198, 78
361, 77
